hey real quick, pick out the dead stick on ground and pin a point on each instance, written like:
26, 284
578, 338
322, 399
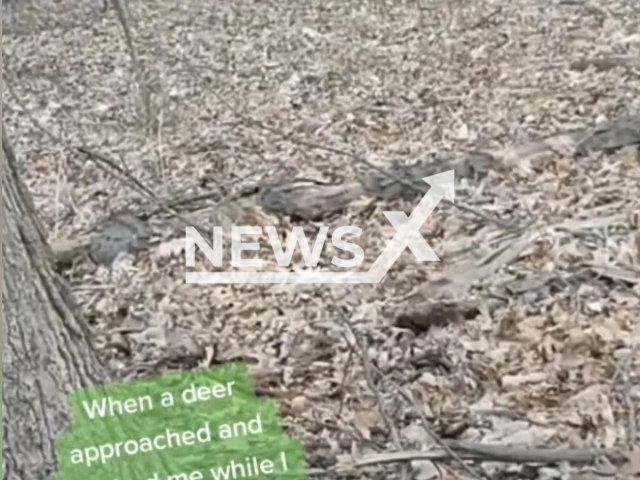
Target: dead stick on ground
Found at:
373, 166
497, 453
366, 362
108, 166
425, 424
345, 374
369, 367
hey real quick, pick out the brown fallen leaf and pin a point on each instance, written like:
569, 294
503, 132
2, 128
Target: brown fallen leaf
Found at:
365, 420
421, 317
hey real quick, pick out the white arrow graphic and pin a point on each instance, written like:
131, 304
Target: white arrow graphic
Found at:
407, 235
408, 228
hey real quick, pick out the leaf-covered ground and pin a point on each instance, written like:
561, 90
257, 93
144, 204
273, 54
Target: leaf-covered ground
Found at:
548, 354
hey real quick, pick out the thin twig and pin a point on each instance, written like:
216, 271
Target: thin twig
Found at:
425, 424
497, 453
108, 166
345, 373
368, 372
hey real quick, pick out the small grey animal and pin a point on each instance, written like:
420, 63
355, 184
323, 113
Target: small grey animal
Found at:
122, 232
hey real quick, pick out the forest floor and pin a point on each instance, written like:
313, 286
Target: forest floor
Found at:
243, 91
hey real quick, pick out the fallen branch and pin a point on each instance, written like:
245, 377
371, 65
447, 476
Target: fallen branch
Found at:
603, 64
497, 453
368, 371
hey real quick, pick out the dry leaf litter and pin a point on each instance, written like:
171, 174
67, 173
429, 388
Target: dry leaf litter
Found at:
525, 334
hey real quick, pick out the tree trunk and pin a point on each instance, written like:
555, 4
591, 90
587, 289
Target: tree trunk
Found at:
47, 351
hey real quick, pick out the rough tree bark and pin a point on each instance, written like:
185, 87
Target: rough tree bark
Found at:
47, 350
